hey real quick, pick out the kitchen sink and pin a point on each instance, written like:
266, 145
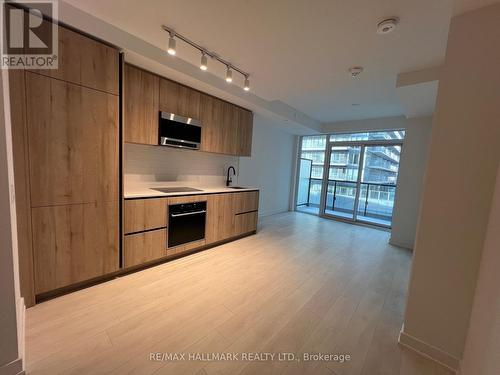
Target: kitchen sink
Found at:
237, 187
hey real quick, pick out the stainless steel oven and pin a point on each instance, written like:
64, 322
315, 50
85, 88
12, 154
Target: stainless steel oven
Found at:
186, 223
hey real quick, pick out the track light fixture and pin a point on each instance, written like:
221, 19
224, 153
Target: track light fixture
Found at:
171, 44
204, 57
204, 61
229, 75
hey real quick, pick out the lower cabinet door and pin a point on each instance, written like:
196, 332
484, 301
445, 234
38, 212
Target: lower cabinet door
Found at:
245, 223
144, 247
220, 217
73, 243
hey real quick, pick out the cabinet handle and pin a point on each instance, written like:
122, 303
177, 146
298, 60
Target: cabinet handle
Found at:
188, 213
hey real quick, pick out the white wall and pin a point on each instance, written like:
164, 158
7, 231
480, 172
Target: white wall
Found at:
460, 181
482, 347
411, 169
270, 167
155, 163
11, 306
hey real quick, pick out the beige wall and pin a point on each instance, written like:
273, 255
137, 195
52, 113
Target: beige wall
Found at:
482, 349
11, 306
460, 179
270, 166
411, 170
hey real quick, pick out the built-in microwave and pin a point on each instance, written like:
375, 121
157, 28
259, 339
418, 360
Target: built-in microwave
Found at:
179, 131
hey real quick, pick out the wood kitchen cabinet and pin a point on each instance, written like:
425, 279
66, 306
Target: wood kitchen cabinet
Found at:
84, 61
226, 128
146, 224
246, 205
73, 142
245, 131
145, 214
220, 217
179, 99
66, 146
73, 243
211, 114
246, 201
245, 223
141, 117
144, 247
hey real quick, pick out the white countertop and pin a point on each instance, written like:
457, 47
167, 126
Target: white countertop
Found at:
145, 189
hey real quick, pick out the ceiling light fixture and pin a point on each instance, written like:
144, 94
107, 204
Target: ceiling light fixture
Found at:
388, 25
204, 61
229, 75
204, 54
171, 44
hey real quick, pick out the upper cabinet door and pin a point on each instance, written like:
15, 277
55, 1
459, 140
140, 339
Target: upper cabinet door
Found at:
226, 128
245, 130
72, 142
85, 62
211, 115
179, 99
141, 91
229, 129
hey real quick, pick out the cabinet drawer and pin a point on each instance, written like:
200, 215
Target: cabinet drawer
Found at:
245, 223
246, 201
145, 214
144, 247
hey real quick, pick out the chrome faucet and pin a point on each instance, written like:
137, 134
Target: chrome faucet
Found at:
229, 180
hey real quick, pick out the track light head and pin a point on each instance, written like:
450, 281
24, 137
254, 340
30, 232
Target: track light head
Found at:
171, 45
204, 61
229, 75
246, 87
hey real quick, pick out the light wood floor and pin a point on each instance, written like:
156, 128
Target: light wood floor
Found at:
301, 285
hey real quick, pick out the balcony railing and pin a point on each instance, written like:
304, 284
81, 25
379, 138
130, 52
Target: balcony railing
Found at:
375, 200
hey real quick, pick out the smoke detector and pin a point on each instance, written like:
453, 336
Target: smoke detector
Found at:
355, 71
388, 25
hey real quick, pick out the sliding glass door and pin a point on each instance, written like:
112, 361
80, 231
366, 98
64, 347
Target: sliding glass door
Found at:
361, 181
342, 181
378, 184
349, 177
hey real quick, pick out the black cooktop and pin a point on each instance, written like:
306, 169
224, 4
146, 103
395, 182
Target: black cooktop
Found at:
177, 189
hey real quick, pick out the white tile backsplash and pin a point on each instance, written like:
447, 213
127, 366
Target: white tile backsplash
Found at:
156, 163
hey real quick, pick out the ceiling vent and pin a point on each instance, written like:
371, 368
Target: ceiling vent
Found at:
355, 71
388, 25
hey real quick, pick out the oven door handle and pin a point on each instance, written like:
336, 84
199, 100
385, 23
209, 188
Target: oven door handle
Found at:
189, 213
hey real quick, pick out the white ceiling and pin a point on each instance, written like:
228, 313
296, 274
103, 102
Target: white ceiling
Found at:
298, 51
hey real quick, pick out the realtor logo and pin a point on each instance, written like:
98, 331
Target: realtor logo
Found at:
29, 40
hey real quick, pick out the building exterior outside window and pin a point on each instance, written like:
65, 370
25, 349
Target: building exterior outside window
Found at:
379, 172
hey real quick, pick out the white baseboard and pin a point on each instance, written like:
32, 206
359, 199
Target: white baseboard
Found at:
401, 244
431, 352
13, 368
